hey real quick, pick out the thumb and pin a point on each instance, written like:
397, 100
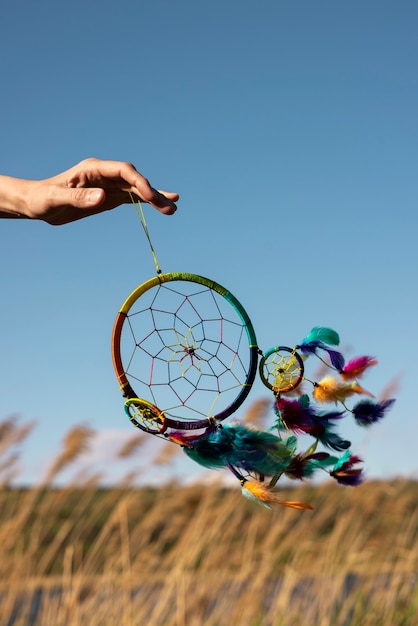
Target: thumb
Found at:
85, 198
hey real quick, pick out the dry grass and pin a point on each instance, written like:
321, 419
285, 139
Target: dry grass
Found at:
203, 555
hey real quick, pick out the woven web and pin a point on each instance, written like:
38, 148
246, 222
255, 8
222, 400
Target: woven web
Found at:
185, 349
281, 369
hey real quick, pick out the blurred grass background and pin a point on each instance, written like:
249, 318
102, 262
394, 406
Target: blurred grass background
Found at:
200, 554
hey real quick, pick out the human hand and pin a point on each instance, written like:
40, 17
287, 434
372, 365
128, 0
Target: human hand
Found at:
90, 187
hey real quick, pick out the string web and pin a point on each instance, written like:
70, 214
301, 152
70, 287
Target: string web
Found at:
185, 349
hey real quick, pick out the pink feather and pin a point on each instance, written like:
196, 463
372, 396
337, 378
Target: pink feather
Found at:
356, 367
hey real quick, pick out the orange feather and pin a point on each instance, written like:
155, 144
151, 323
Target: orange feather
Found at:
329, 389
254, 489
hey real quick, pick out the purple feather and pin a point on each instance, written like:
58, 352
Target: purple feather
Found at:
336, 359
321, 338
367, 412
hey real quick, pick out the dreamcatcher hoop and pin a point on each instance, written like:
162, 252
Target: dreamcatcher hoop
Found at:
281, 369
167, 347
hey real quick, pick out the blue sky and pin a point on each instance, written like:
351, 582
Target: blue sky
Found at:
290, 131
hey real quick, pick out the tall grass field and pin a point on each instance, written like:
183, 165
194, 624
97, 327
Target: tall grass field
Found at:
201, 555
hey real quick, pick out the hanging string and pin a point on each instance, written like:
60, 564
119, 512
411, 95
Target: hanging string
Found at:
140, 213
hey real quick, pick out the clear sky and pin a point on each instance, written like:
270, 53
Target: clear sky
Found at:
290, 131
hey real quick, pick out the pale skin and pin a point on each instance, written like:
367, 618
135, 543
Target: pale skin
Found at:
88, 188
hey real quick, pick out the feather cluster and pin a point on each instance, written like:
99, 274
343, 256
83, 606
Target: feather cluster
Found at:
344, 471
300, 416
258, 458
320, 338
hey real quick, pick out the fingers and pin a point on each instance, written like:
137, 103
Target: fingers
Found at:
165, 201
122, 172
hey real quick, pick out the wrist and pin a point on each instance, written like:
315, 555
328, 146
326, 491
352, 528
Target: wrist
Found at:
14, 195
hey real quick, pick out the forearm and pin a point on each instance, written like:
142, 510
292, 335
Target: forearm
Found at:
13, 197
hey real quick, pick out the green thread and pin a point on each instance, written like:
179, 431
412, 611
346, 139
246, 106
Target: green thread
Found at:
140, 213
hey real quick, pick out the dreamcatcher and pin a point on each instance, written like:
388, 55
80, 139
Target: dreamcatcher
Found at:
186, 356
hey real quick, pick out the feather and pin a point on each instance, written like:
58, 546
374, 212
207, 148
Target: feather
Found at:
295, 415
344, 471
299, 417
367, 412
326, 434
334, 441
256, 450
322, 334
240, 446
304, 465
356, 367
255, 490
329, 389
201, 449
321, 338
336, 358
324, 417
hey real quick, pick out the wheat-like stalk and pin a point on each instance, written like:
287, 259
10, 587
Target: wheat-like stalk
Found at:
75, 443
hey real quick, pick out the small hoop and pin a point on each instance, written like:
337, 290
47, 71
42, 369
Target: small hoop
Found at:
145, 416
281, 369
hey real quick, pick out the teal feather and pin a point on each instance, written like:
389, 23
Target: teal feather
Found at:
343, 459
324, 335
242, 447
